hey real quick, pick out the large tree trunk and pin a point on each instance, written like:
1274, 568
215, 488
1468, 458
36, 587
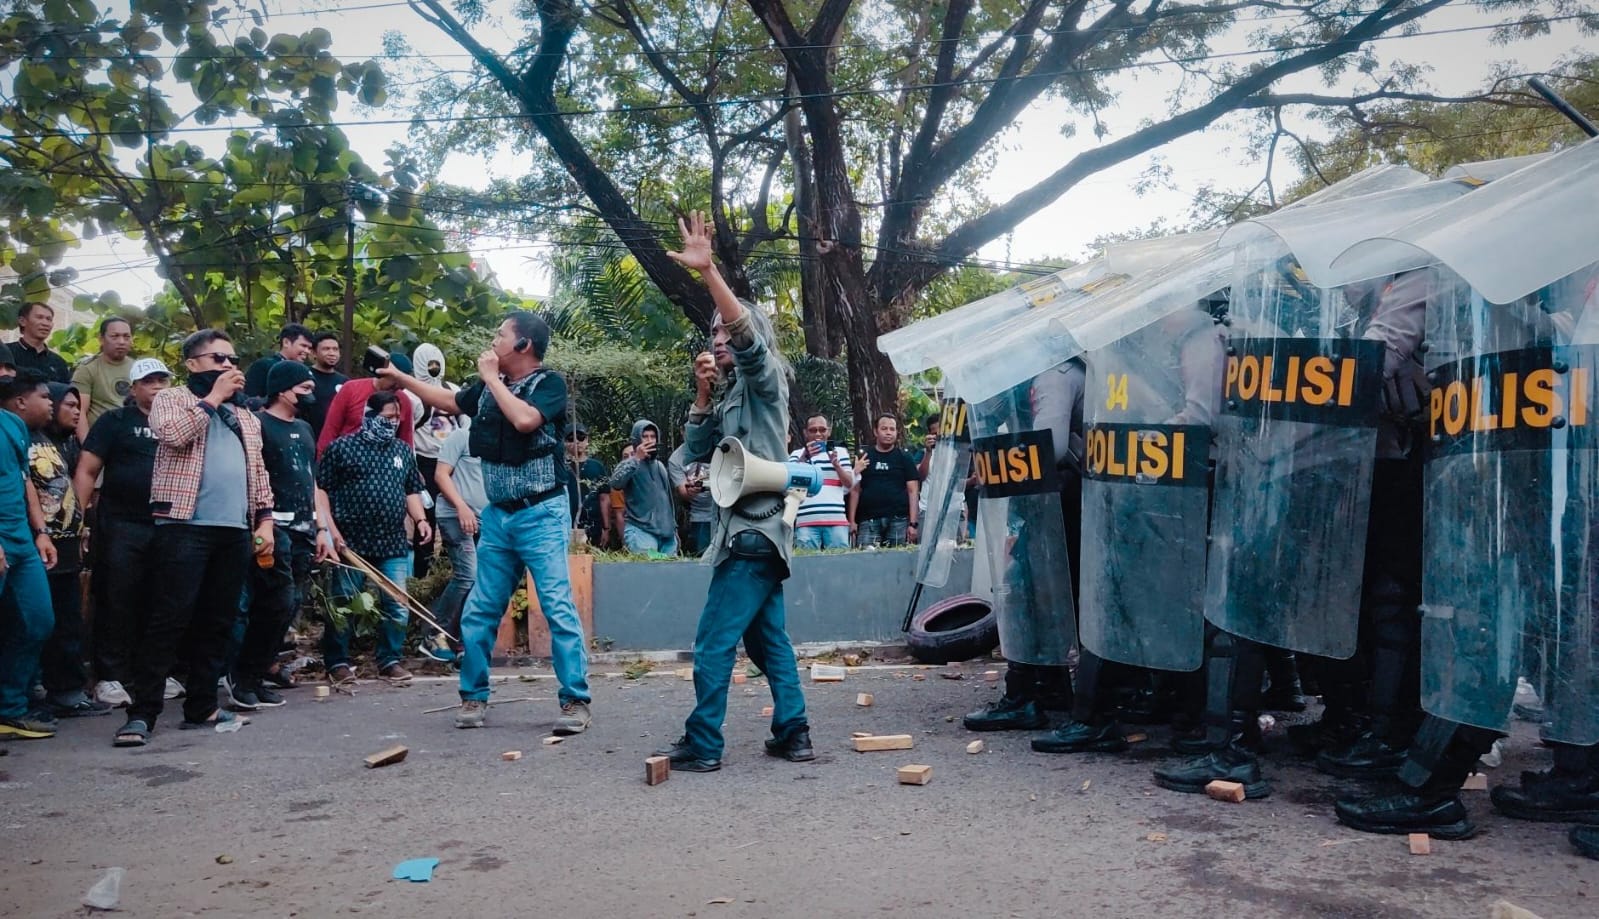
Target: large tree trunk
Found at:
819, 338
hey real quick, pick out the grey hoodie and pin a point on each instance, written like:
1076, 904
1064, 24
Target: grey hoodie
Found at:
646, 487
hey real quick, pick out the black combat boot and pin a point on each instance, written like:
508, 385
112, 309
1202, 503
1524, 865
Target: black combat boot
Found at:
1430, 778
1336, 729
1369, 756
1568, 793
1231, 763
1285, 694
796, 747
1082, 737
1586, 841
1436, 812
1007, 714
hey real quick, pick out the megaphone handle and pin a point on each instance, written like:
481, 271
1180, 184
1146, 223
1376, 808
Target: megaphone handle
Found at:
791, 505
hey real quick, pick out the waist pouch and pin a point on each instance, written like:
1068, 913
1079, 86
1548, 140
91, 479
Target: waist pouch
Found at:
751, 544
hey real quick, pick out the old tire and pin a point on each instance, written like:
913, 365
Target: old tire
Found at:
954, 629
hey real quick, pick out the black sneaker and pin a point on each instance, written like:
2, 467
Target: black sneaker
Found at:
266, 697
277, 679
1229, 764
1438, 815
1008, 714
796, 748
238, 698
76, 705
1079, 737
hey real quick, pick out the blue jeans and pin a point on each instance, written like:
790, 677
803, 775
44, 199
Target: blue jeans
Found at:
639, 542
26, 621
462, 550
699, 537
883, 531
745, 600
822, 537
535, 537
393, 618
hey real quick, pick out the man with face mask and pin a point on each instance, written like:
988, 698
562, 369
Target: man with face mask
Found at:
209, 492
372, 487
122, 447
288, 450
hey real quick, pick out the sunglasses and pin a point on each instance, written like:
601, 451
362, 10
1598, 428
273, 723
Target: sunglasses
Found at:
218, 358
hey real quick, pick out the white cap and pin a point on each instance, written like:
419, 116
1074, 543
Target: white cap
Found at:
146, 366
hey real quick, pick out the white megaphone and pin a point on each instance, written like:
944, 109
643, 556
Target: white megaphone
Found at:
737, 474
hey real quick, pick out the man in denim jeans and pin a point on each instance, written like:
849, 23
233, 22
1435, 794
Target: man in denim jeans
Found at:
518, 411
373, 486
459, 477
751, 545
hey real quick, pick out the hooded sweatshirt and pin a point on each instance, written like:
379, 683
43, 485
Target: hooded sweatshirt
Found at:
646, 487
432, 426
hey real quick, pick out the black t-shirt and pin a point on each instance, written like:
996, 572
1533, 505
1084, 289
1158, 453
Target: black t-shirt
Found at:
289, 450
123, 441
884, 476
327, 386
52, 365
596, 481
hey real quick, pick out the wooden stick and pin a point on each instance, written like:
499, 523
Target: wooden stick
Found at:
492, 702
395, 591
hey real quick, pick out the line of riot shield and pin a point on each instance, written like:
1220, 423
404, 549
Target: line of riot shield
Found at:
945, 491
1511, 545
1023, 532
1296, 447
1149, 402
1510, 489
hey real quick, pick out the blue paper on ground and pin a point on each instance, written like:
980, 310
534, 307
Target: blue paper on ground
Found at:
415, 869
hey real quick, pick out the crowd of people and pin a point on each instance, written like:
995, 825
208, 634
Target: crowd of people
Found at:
239, 492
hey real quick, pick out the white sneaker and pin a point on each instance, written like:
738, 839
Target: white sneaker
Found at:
1494, 758
174, 690
111, 693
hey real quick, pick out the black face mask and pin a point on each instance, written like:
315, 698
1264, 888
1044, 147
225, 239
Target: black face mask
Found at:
303, 401
201, 383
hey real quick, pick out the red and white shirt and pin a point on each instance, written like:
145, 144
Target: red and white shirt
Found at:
826, 508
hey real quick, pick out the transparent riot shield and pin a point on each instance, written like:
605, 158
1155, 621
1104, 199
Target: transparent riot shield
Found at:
1148, 405
1024, 536
1511, 519
1296, 446
945, 490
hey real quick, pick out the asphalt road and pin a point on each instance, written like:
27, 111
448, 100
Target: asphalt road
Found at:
572, 830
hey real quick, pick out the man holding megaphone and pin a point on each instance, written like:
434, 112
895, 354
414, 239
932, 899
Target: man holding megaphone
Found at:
745, 432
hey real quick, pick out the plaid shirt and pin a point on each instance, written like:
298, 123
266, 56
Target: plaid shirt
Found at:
180, 421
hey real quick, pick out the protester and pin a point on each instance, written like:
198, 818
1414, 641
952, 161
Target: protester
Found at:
650, 524
288, 450
432, 428
26, 554
823, 521
688, 481
592, 481
883, 508
119, 453
325, 356
294, 344
373, 488
31, 350
102, 380
52, 459
617, 507
209, 490
459, 479
924, 460
347, 413
751, 548
518, 411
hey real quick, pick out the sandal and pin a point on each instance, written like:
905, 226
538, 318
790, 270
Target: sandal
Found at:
220, 716
136, 733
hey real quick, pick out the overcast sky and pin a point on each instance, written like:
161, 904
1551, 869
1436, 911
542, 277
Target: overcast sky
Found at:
1458, 62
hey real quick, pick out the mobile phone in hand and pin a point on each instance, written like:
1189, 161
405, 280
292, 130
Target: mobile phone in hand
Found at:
374, 359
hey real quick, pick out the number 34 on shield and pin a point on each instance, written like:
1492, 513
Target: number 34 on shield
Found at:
1115, 391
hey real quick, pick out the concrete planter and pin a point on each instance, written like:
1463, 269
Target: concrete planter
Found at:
831, 597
